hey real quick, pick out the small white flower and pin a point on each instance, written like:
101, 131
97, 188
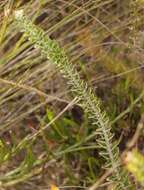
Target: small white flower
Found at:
19, 14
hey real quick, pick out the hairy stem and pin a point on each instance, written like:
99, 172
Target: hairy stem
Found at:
89, 102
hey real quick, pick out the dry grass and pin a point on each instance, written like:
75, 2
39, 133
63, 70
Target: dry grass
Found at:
104, 40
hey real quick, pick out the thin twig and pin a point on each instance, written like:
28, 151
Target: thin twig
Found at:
30, 88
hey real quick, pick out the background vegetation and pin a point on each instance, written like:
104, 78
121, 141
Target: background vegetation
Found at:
104, 40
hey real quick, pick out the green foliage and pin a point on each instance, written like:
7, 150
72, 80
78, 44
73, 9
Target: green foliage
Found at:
42, 136
87, 99
4, 152
22, 172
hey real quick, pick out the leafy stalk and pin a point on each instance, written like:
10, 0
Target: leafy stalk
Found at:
88, 101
